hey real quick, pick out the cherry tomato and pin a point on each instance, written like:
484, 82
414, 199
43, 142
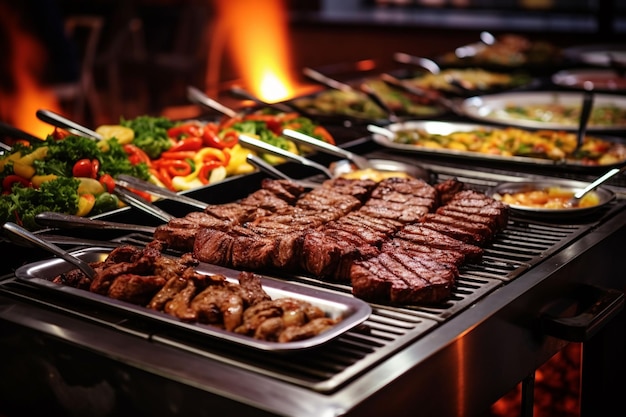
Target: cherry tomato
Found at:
83, 168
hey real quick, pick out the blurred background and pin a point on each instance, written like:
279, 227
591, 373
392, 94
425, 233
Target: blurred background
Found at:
97, 61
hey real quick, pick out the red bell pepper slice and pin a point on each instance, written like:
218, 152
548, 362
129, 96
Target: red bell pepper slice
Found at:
205, 170
9, 180
185, 130
108, 182
136, 155
191, 143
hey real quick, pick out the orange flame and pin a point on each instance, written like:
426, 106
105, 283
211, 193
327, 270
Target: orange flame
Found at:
20, 100
256, 32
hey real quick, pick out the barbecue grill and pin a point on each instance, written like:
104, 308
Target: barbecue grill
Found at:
542, 284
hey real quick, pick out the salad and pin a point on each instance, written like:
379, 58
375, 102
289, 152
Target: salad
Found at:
76, 175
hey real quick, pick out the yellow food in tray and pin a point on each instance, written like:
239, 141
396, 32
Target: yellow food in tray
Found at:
544, 144
549, 198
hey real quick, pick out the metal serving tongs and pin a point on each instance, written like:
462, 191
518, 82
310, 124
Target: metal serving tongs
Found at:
272, 171
421, 92
129, 197
585, 114
15, 133
263, 147
68, 221
139, 184
196, 96
33, 239
57, 120
362, 89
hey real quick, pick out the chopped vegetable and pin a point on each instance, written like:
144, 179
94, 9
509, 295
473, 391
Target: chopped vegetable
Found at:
150, 134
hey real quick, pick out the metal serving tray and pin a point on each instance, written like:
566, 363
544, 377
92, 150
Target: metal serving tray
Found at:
447, 128
351, 310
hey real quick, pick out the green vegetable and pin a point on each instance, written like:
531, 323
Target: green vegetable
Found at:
105, 202
150, 134
24, 203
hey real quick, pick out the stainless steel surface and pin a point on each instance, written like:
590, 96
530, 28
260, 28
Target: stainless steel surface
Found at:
50, 247
450, 360
58, 120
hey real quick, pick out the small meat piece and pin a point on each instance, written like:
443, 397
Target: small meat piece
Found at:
135, 289
219, 304
486, 234
255, 315
180, 305
308, 330
73, 278
252, 290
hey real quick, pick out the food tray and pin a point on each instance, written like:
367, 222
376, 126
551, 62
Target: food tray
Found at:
492, 108
447, 128
353, 311
605, 196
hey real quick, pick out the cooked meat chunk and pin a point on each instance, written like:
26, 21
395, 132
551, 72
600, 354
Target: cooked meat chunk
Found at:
136, 289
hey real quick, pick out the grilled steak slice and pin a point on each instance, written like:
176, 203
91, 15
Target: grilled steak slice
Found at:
400, 279
441, 255
213, 246
483, 230
447, 189
428, 237
454, 231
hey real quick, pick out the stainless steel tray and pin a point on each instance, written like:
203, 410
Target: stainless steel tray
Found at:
447, 128
351, 310
605, 196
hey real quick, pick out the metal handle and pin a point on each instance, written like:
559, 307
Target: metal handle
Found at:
50, 247
260, 146
322, 146
16, 133
64, 123
327, 81
196, 96
585, 112
271, 170
130, 198
599, 307
243, 94
133, 182
52, 219
428, 64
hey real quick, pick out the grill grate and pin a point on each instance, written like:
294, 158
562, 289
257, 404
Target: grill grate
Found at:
523, 244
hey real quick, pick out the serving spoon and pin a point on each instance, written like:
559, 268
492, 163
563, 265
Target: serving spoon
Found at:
575, 200
585, 113
35, 240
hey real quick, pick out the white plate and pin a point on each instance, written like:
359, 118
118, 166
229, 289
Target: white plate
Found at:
491, 108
